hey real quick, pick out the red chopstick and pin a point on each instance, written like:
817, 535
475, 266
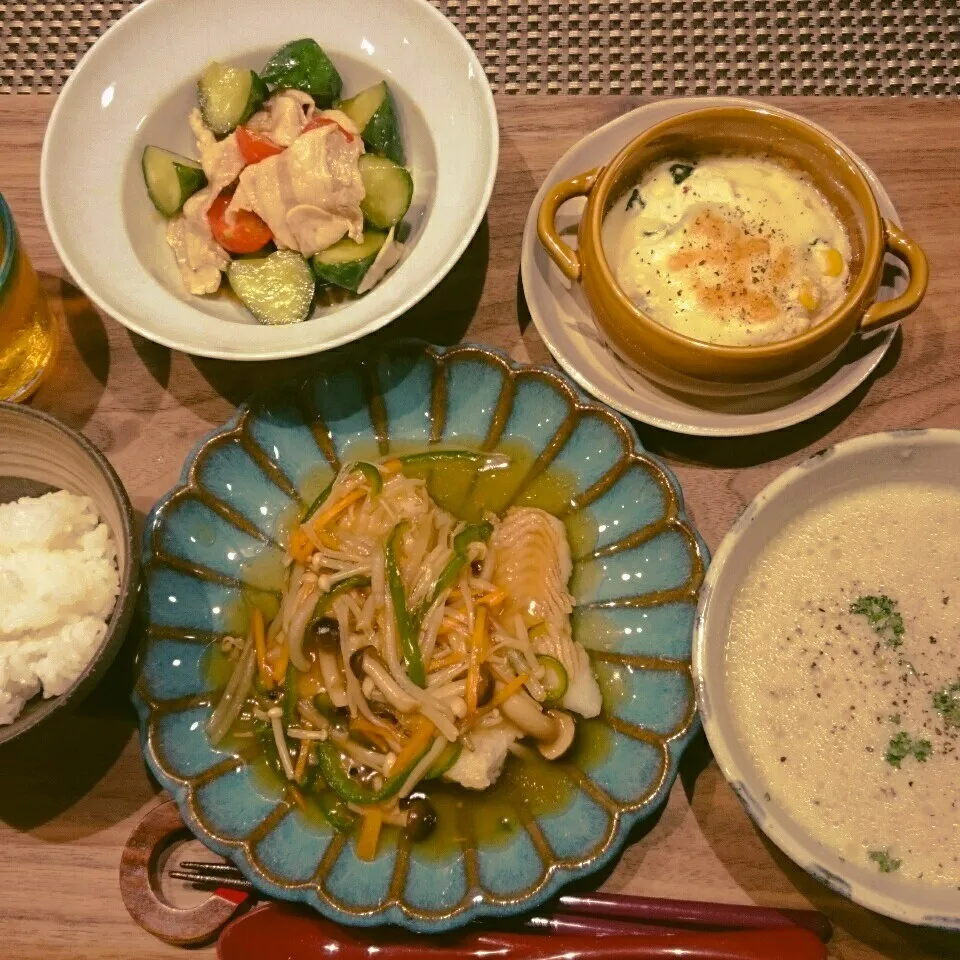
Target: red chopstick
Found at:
601, 914
691, 913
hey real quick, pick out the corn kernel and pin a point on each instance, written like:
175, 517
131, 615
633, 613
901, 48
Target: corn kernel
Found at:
832, 262
808, 296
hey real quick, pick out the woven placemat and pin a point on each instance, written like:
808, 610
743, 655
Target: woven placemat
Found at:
673, 47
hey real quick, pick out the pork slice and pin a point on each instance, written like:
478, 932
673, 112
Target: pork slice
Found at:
309, 195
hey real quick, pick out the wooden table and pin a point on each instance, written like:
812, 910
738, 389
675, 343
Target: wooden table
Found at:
69, 801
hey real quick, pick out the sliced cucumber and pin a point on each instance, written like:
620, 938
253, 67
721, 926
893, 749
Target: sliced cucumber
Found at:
229, 96
171, 179
346, 263
277, 289
373, 112
388, 190
302, 65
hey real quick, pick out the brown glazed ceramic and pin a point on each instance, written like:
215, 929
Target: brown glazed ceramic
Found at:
39, 454
695, 366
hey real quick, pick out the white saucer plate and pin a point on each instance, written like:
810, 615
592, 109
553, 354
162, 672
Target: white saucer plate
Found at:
564, 319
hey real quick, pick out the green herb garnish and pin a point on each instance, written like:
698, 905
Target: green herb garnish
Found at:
947, 703
680, 171
894, 718
903, 745
883, 860
635, 198
883, 616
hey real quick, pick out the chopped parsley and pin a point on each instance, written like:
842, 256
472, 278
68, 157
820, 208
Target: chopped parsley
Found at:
894, 718
635, 198
883, 616
885, 863
680, 171
947, 703
903, 745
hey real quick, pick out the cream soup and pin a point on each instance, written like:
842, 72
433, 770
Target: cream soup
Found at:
843, 672
733, 249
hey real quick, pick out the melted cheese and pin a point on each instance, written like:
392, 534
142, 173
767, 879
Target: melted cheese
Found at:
741, 250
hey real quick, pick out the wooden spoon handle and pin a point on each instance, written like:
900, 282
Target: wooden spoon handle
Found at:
200, 924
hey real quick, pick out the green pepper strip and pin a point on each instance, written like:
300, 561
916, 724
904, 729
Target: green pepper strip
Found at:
373, 476
432, 457
353, 792
330, 804
553, 666
318, 503
451, 754
335, 810
324, 601
408, 622
471, 533
369, 471
407, 626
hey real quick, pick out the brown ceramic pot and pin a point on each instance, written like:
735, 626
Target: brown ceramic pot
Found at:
695, 366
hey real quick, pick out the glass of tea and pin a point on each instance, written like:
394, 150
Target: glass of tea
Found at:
29, 335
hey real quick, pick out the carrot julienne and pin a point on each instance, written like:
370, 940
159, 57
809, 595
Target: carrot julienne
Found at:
492, 599
369, 833
477, 648
300, 547
438, 663
320, 521
260, 643
362, 725
422, 733
507, 691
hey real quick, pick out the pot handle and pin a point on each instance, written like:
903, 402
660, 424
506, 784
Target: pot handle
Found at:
909, 251
563, 255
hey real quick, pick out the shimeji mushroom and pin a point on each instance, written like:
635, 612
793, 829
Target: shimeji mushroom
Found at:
378, 673
553, 730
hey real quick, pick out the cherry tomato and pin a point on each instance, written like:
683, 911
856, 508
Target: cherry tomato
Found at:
247, 234
325, 122
255, 147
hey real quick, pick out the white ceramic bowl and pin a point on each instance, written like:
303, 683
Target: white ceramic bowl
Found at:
136, 86
932, 455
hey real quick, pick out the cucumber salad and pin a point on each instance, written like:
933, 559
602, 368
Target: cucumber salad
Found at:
295, 190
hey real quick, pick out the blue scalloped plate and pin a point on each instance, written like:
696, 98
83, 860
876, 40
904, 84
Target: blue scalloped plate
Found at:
637, 573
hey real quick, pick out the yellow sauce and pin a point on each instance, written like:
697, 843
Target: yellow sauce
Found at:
733, 250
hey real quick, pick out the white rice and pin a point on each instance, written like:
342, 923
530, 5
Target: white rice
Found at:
58, 586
